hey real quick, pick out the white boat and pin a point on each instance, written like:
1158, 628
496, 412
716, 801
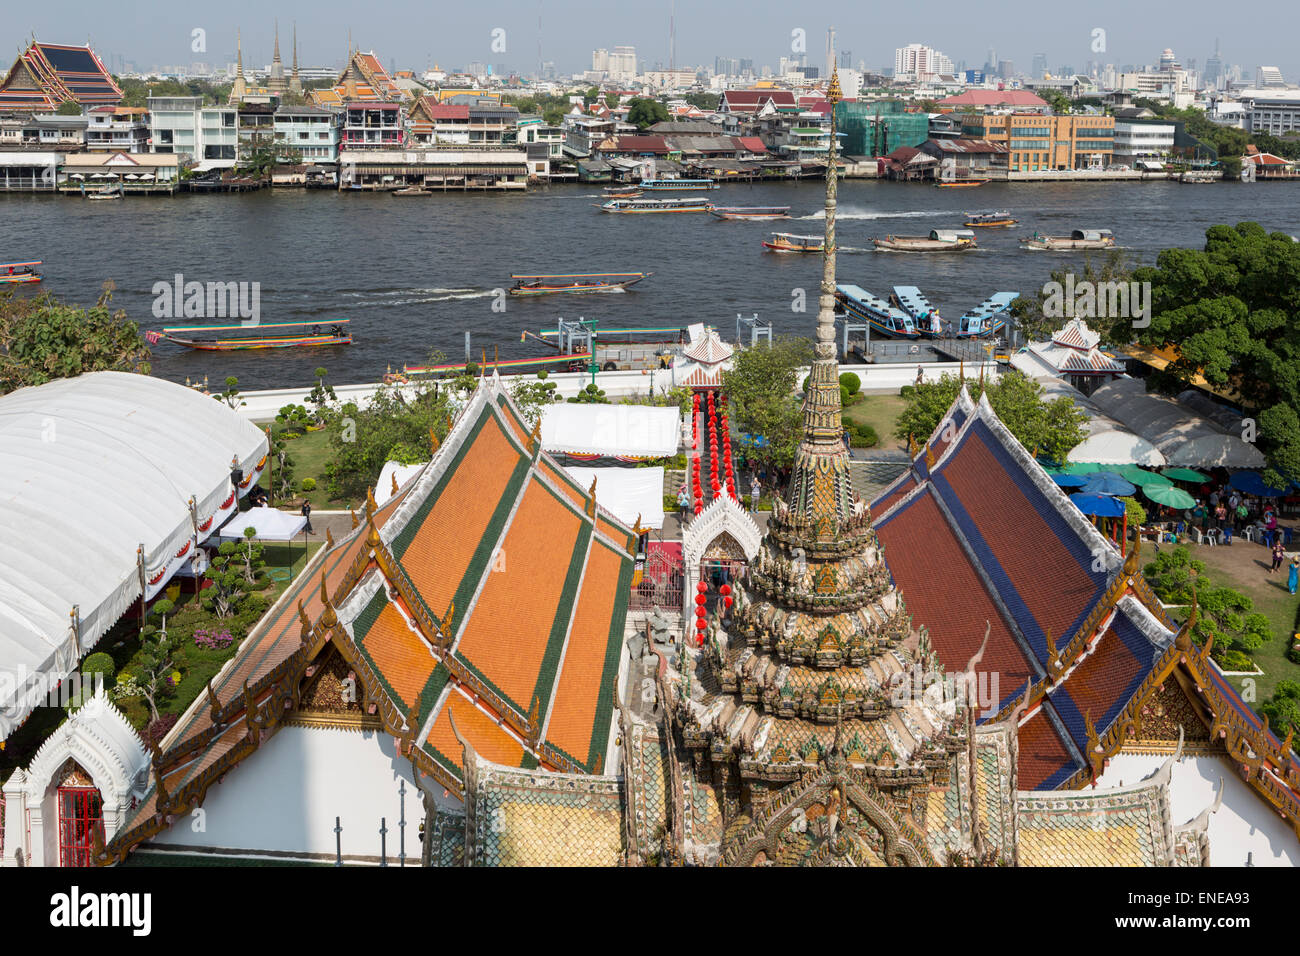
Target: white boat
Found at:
113, 191
939, 240
1078, 239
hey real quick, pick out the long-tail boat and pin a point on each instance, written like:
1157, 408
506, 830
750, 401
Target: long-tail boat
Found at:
788, 242
1077, 239
990, 219
961, 183
256, 336
622, 192
884, 318
987, 318
939, 240
754, 213
574, 362
19, 272
655, 205
578, 282
669, 185
925, 317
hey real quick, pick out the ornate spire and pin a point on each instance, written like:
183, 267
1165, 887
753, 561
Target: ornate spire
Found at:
295, 82
820, 490
238, 89
276, 82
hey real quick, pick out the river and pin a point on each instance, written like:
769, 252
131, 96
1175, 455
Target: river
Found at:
414, 274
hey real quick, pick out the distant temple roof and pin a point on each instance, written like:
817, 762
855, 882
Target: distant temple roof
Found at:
47, 74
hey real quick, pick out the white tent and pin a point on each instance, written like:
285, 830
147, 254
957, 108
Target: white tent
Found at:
384, 486
271, 524
625, 431
1117, 446
108, 482
627, 492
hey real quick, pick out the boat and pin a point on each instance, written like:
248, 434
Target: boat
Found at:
925, 317
412, 191
256, 336
961, 183
787, 242
19, 272
578, 282
939, 240
883, 318
755, 213
623, 348
670, 185
655, 205
987, 318
112, 191
623, 191
1078, 239
574, 362
999, 218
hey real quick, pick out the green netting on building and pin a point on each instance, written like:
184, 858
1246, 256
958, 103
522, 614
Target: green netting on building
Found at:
877, 129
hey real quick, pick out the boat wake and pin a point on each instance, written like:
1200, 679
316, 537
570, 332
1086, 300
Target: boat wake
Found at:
416, 296
868, 214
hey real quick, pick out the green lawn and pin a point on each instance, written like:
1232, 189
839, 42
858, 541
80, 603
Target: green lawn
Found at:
881, 413
311, 452
1243, 567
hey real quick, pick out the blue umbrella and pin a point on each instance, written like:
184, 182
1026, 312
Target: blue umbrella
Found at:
1252, 484
1108, 483
1103, 506
1069, 481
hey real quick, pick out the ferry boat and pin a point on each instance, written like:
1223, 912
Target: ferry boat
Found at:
256, 336
754, 213
577, 282
1078, 239
787, 242
883, 318
939, 240
655, 205
19, 272
987, 318
962, 183
669, 185
998, 218
622, 192
925, 317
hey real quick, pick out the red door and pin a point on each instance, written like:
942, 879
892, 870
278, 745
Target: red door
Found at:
80, 809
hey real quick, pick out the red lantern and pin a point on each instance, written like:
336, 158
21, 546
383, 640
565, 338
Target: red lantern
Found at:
698, 509
700, 599
727, 602
701, 587
701, 622
725, 589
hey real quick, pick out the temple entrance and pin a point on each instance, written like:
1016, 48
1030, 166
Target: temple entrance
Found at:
80, 810
717, 548
659, 582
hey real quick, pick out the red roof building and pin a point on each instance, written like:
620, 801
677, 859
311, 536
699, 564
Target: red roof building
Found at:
47, 74
752, 101
997, 99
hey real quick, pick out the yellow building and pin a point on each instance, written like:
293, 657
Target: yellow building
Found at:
1044, 142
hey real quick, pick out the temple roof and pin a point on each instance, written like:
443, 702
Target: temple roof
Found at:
47, 74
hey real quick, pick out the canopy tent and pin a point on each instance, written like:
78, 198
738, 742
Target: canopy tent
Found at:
627, 492
1101, 506
613, 431
1112, 446
269, 524
1169, 496
384, 486
1107, 483
1183, 435
78, 545
1252, 484
1186, 474
1066, 480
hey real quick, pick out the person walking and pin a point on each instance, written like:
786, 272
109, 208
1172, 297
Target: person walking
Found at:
683, 503
1279, 553
1293, 574
306, 513
755, 493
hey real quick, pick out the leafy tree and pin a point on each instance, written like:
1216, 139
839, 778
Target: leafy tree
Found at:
227, 592
1050, 428
153, 662
592, 94
1231, 312
231, 395
1283, 708
1029, 313
69, 108
252, 555
704, 101
362, 439
1058, 101
591, 395
760, 388
646, 112
532, 397
42, 339
321, 395
1222, 613
282, 470
611, 100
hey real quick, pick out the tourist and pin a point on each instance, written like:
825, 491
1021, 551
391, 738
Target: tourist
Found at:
1220, 515
683, 503
306, 513
1243, 513
1279, 553
1293, 574
755, 492
1214, 498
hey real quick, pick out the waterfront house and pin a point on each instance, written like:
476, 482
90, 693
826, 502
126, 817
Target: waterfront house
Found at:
312, 131
124, 128
444, 168
967, 158
45, 131
48, 74
207, 135
372, 124
430, 121
1268, 165
908, 163
1040, 142
1142, 139
135, 172
28, 170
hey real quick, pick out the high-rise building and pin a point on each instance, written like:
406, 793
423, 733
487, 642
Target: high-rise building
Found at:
1006, 69
1269, 76
919, 60
1039, 68
1214, 72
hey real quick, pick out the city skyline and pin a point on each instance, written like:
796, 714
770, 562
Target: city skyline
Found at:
506, 34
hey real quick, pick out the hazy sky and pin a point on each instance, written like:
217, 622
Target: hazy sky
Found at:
416, 35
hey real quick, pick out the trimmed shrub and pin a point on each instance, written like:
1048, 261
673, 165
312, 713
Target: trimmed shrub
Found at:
850, 381
309, 484
100, 663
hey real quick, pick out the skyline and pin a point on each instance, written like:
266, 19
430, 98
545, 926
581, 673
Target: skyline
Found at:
162, 35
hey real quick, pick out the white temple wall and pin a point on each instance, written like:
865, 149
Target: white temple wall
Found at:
1244, 826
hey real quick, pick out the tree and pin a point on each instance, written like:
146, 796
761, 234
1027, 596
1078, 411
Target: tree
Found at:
1283, 708
154, 660
532, 397
1050, 428
1231, 312
42, 339
591, 395
592, 94
69, 108
252, 555
1030, 314
611, 100
321, 395
645, 112
231, 395
227, 592
760, 389
1223, 614
704, 101
1058, 101
362, 439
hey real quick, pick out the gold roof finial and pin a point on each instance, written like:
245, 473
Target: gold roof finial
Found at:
433, 440
833, 93
394, 482
328, 618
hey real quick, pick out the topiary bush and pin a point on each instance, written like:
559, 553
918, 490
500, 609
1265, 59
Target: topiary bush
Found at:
309, 484
100, 663
850, 381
